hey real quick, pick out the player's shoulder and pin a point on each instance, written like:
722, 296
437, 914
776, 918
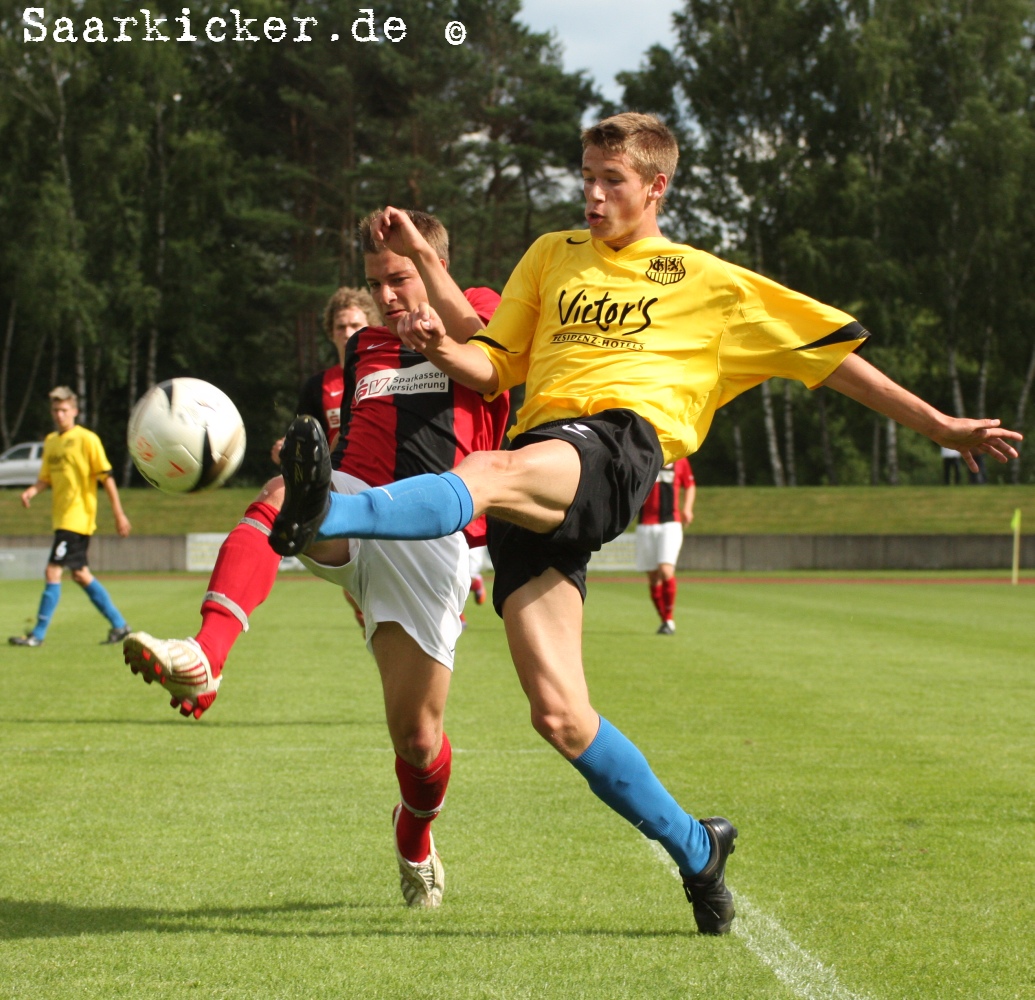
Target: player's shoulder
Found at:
370, 336
484, 301
84, 434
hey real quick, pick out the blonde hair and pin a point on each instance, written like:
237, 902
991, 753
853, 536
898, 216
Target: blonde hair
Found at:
649, 143
61, 393
349, 298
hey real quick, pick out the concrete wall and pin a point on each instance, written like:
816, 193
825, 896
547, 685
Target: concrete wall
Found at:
737, 553
138, 553
23, 556
759, 553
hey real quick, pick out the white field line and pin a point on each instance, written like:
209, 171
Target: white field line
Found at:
806, 975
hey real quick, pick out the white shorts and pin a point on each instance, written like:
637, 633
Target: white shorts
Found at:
477, 560
422, 585
657, 544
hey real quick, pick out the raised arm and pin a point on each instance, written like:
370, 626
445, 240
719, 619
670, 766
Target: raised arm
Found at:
859, 380
397, 232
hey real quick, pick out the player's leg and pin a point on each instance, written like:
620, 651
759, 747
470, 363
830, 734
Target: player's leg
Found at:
48, 603
532, 487
100, 598
415, 689
668, 557
543, 620
647, 558
242, 578
477, 561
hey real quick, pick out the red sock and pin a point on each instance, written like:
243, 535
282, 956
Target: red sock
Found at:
245, 571
668, 598
655, 596
423, 792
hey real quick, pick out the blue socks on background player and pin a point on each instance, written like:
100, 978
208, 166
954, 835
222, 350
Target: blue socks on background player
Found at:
619, 775
428, 506
103, 603
48, 602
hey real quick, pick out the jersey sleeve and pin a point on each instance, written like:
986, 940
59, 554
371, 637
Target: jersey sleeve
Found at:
48, 446
507, 339
684, 474
100, 467
777, 332
484, 301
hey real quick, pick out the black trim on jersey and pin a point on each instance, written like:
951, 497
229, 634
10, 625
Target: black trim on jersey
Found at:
492, 343
851, 331
666, 501
349, 390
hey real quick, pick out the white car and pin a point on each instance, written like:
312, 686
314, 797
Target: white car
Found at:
20, 464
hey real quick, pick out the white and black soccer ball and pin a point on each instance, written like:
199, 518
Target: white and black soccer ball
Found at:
186, 435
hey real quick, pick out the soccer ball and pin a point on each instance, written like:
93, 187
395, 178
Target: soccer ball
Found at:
185, 435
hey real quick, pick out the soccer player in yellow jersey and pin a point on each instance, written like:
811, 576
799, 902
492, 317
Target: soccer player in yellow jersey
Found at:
628, 344
73, 463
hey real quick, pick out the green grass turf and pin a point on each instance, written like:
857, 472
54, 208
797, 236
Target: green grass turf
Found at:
720, 510
872, 742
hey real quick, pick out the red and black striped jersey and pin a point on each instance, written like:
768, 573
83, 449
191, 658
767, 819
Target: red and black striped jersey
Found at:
321, 397
663, 503
403, 417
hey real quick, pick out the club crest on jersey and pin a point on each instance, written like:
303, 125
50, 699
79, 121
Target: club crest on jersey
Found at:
666, 270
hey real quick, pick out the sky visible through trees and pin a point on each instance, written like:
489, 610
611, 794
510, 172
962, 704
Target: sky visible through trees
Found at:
185, 207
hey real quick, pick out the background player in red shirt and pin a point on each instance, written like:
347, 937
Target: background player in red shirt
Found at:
347, 312
403, 417
659, 535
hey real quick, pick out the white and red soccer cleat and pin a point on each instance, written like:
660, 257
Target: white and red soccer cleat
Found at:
179, 665
422, 882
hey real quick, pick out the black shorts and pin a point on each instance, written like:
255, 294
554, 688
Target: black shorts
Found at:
620, 457
69, 549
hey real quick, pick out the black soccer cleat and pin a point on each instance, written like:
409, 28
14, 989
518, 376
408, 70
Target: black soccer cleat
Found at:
25, 640
305, 461
116, 635
706, 891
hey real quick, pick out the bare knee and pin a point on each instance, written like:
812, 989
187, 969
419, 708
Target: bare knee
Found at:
418, 744
82, 576
568, 732
273, 492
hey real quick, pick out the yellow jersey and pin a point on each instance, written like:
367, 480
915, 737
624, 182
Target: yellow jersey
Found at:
73, 463
659, 328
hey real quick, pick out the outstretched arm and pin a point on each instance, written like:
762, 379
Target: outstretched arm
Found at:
859, 380
395, 229
423, 330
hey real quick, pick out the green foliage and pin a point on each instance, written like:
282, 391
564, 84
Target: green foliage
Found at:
877, 156
187, 209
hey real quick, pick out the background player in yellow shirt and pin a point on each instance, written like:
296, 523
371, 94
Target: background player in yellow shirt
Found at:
73, 463
628, 344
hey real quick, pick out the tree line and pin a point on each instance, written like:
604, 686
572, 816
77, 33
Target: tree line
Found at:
186, 208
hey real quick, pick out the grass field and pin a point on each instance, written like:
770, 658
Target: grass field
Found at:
872, 741
720, 510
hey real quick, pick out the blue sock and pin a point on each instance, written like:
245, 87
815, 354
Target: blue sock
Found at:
103, 603
619, 775
48, 602
427, 506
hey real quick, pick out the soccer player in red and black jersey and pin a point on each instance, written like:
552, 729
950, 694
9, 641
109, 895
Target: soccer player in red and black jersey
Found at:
659, 535
347, 312
402, 416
